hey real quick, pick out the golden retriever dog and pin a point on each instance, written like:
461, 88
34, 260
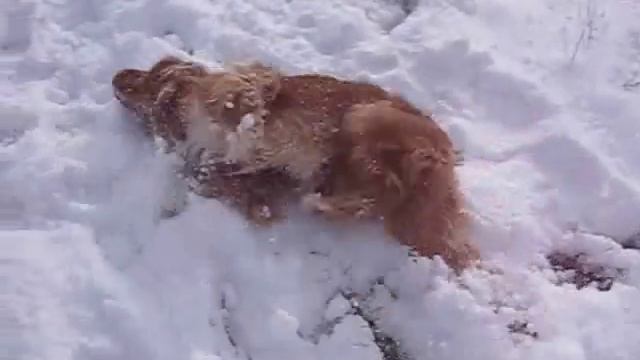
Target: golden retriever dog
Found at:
276, 130
347, 149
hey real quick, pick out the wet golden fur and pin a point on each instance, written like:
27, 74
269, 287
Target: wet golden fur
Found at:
399, 167
348, 149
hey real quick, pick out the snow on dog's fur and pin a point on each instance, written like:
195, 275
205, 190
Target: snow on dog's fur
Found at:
348, 149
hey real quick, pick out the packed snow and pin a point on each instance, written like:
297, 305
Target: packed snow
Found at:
542, 97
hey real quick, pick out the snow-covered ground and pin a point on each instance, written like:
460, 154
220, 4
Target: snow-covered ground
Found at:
543, 96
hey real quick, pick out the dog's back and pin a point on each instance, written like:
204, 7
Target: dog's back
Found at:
302, 120
330, 96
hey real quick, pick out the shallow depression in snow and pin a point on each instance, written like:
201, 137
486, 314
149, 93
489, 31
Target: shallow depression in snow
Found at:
540, 96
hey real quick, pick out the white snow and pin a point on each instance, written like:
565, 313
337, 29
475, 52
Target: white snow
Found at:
543, 96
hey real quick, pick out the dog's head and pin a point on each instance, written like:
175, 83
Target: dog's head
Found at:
129, 87
216, 110
138, 90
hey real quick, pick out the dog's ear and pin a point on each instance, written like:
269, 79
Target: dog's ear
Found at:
171, 106
170, 68
164, 63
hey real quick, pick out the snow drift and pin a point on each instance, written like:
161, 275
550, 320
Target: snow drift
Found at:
542, 96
